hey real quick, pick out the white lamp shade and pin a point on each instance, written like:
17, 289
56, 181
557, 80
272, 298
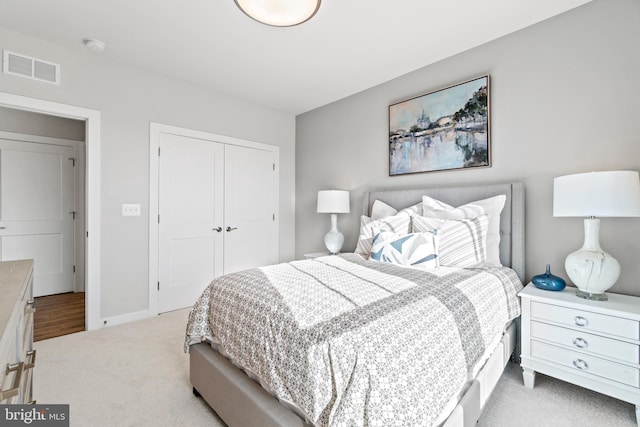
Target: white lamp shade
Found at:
333, 201
597, 194
279, 13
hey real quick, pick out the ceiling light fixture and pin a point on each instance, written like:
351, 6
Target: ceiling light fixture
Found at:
279, 13
95, 45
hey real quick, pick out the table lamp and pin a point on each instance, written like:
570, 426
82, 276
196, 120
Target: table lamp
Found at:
333, 202
591, 195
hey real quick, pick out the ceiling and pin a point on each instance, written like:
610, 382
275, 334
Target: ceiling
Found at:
349, 46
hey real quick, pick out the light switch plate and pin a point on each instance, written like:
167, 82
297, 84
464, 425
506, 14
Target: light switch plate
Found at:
129, 209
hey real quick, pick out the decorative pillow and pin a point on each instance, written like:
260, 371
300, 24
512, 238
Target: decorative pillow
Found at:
399, 223
461, 243
382, 210
414, 249
491, 206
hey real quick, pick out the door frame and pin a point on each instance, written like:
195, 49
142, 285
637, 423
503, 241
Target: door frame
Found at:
92, 189
155, 129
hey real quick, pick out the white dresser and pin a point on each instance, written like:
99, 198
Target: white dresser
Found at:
594, 344
17, 356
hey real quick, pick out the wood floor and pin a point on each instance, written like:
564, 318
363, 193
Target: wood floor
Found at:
58, 315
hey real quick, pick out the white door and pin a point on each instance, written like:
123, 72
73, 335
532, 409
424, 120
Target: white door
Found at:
191, 174
36, 211
249, 208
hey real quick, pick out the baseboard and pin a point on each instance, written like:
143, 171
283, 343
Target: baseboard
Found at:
125, 318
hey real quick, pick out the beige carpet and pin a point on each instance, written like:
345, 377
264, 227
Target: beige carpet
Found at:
137, 375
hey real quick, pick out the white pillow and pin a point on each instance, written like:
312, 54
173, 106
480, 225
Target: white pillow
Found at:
399, 223
461, 243
491, 206
414, 249
381, 210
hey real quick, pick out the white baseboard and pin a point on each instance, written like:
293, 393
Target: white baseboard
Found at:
125, 318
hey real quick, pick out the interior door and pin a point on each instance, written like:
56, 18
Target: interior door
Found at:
37, 211
191, 190
250, 226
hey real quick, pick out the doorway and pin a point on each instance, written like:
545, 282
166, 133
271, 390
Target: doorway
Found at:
91, 232
42, 213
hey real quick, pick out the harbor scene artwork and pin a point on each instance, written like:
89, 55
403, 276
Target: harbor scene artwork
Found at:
442, 130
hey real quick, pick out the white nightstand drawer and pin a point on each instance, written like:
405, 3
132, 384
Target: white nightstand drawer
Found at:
583, 341
586, 364
586, 320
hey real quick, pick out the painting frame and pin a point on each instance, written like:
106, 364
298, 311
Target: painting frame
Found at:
442, 130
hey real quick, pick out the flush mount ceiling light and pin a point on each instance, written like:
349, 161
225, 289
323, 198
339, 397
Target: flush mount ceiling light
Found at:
279, 13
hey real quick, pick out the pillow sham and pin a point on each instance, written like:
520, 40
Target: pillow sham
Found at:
381, 210
399, 223
461, 243
414, 249
491, 206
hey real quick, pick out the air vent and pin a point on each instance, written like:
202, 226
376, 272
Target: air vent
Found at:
31, 68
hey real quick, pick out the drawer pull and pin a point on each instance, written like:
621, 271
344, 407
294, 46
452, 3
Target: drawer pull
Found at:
580, 364
580, 343
31, 357
30, 307
13, 391
580, 321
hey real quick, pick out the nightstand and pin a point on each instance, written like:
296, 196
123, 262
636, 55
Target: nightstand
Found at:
593, 344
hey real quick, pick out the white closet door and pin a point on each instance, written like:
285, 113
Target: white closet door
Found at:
36, 211
191, 174
249, 212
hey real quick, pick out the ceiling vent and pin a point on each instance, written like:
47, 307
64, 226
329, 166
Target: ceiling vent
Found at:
31, 68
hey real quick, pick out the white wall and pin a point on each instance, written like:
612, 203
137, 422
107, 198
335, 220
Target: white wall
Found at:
564, 99
128, 99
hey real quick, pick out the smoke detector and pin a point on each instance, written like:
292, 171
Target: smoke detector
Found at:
95, 45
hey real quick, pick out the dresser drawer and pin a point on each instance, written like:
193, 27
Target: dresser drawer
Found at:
586, 320
584, 341
586, 364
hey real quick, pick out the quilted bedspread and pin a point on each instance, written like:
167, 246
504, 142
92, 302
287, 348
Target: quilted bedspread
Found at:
355, 342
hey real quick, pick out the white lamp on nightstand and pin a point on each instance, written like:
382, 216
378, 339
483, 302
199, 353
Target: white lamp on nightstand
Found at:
591, 195
333, 202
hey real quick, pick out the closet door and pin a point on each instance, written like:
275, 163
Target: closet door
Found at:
249, 208
190, 236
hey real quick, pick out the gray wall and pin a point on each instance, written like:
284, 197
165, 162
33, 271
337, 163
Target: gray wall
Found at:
27, 122
128, 99
564, 99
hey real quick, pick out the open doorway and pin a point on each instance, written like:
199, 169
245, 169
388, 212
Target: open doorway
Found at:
90, 234
42, 212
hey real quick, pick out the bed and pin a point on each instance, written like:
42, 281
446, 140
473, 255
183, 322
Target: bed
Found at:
236, 393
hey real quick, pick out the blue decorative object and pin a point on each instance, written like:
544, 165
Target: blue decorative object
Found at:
548, 281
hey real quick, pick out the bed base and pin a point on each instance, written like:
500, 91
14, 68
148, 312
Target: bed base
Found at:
242, 402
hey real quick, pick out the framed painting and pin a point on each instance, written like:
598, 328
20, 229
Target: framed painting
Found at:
442, 130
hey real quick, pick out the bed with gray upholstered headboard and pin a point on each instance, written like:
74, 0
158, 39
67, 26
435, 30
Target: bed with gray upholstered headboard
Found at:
241, 401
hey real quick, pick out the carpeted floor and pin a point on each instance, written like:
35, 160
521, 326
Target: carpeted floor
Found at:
137, 375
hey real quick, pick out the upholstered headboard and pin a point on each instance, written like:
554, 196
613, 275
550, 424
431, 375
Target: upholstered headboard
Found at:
511, 219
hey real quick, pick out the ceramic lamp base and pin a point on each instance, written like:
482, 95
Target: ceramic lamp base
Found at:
591, 269
334, 239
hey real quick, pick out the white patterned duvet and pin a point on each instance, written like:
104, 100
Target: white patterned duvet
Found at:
352, 342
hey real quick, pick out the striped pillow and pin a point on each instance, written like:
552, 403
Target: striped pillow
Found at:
461, 243
414, 249
399, 223
492, 206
